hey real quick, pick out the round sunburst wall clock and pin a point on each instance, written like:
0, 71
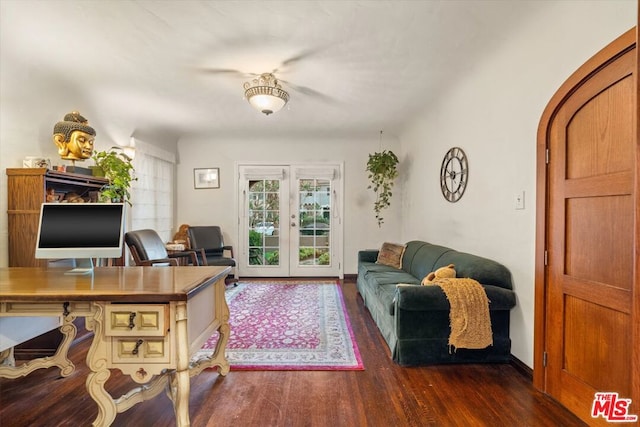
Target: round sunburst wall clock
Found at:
454, 174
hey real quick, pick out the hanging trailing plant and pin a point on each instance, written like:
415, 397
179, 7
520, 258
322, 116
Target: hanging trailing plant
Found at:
382, 168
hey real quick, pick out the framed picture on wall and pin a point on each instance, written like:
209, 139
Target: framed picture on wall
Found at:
206, 178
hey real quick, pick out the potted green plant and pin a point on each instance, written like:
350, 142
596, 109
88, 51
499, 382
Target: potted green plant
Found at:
382, 168
117, 167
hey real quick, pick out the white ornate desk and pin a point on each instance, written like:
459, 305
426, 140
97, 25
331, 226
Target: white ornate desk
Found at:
147, 322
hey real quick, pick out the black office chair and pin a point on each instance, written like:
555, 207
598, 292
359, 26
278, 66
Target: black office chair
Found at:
208, 239
148, 249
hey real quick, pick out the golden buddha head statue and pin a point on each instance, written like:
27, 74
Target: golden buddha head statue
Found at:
74, 137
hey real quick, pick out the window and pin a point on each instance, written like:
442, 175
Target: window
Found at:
153, 191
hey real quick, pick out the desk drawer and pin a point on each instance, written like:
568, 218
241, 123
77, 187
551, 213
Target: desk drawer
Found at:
141, 350
140, 320
76, 308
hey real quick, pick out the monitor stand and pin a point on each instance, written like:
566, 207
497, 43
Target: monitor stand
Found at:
82, 266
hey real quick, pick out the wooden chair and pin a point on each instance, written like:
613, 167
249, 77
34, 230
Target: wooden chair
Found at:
148, 249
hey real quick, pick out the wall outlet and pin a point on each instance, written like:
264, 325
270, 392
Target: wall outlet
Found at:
519, 200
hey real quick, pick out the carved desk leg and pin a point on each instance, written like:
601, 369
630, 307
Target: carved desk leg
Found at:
97, 363
59, 359
7, 358
179, 382
219, 356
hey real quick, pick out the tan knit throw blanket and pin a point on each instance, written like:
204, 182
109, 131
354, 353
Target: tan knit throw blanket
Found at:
469, 314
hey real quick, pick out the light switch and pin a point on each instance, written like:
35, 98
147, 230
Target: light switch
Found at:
519, 200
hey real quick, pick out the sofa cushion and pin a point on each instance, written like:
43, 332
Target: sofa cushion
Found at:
391, 278
372, 267
380, 274
391, 254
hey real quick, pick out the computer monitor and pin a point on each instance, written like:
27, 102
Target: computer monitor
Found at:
80, 231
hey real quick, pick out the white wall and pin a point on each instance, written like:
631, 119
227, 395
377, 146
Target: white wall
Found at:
218, 206
493, 115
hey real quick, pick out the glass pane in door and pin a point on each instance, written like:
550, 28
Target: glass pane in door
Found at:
314, 211
264, 222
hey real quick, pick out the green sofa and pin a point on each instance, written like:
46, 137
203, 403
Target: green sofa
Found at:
414, 319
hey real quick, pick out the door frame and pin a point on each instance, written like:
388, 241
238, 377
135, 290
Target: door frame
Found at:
338, 230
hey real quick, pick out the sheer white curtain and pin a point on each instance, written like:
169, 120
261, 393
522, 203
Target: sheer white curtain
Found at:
152, 195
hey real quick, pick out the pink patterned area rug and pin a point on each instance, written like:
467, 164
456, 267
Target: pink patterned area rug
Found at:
288, 325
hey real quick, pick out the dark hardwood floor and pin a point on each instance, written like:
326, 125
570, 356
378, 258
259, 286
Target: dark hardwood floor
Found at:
384, 394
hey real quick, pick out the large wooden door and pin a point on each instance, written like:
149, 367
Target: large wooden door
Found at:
587, 332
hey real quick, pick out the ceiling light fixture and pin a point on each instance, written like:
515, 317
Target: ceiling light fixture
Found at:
265, 94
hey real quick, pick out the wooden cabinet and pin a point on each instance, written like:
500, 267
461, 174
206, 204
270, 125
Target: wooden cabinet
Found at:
27, 190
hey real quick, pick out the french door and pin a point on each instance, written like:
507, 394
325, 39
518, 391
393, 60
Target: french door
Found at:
290, 220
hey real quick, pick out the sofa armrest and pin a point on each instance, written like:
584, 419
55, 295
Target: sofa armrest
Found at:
425, 298
368, 255
420, 298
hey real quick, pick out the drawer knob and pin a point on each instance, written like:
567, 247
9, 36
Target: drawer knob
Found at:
141, 373
131, 317
135, 349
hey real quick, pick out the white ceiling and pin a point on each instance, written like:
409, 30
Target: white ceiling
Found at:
141, 66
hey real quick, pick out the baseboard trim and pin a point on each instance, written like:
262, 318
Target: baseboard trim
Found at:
522, 368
